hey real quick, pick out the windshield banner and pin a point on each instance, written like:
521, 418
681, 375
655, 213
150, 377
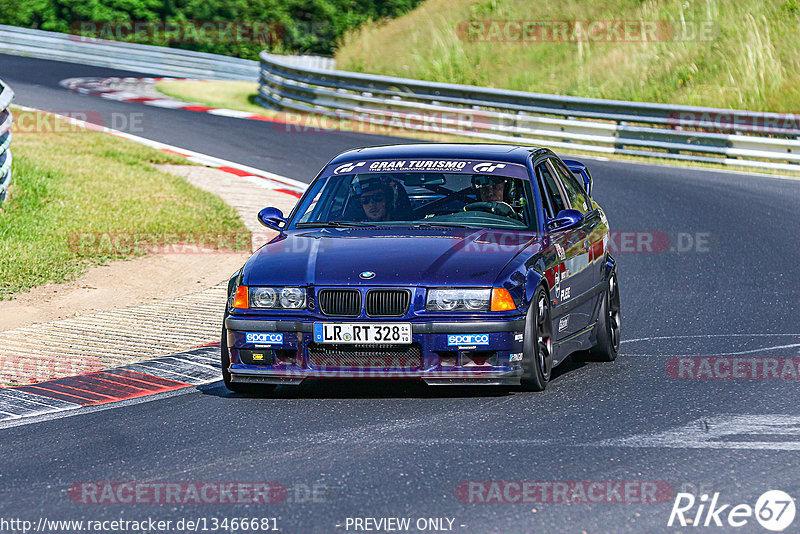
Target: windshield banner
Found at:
427, 165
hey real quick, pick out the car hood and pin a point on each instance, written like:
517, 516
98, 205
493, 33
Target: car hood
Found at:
431, 256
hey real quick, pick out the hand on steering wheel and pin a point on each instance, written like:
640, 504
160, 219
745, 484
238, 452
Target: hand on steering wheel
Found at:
497, 208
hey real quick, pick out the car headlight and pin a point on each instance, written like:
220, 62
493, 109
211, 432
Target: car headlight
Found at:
458, 300
278, 298
263, 297
293, 298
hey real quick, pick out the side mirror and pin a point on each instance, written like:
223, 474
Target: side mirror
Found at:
587, 182
565, 220
272, 218
581, 173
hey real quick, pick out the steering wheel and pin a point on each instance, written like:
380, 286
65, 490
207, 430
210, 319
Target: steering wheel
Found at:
497, 208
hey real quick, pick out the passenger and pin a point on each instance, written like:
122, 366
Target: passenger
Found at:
376, 197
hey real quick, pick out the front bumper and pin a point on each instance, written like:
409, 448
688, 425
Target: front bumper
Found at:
431, 357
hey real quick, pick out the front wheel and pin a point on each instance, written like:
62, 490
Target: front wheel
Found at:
237, 387
608, 324
537, 348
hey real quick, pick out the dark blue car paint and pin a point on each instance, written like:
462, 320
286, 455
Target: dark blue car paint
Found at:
518, 260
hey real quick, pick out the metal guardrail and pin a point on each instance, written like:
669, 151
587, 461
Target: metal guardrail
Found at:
309, 84
138, 57
6, 96
751, 139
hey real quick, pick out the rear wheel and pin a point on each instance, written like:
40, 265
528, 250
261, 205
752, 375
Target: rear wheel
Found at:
237, 387
537, 351
608, 324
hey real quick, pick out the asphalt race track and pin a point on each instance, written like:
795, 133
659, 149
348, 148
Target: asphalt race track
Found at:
402, 449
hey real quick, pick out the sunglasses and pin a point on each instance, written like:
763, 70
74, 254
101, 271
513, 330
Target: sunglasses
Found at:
484, 181
369, 199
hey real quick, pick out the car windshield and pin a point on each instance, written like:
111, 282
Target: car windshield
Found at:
417, 199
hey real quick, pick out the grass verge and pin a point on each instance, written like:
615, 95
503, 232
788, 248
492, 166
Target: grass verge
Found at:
81, 184
239, 95
718, 53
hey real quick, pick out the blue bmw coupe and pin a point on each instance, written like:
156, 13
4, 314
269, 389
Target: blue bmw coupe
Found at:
450, 263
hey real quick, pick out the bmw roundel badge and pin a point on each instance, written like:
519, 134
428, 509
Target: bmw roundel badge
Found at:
366, 275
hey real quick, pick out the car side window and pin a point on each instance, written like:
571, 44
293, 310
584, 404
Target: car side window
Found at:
575, 194
313, 208
324, 204
555, 200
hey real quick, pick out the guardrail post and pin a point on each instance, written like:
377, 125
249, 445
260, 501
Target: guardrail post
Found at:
6, 119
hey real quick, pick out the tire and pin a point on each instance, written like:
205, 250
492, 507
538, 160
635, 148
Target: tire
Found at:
537, 345
608, 324
237, 387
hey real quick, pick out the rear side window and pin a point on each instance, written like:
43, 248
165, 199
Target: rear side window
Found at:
576, 197
554, 201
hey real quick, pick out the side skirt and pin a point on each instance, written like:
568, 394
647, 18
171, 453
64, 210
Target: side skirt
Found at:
581, 340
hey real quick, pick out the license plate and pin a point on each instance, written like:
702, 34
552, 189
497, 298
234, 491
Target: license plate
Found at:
389, 333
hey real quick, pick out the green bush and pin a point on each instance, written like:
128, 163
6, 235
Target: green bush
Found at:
299, 26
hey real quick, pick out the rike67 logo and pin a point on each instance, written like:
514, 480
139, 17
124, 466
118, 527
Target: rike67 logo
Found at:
774, 510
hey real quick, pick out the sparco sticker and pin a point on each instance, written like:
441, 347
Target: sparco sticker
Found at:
467, 339
263, 337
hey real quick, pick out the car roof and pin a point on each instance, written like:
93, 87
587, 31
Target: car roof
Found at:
481, 151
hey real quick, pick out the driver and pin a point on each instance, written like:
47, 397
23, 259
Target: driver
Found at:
490, 188
496, 194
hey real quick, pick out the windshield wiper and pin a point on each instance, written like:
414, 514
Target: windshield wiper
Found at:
333, 224
446, 225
